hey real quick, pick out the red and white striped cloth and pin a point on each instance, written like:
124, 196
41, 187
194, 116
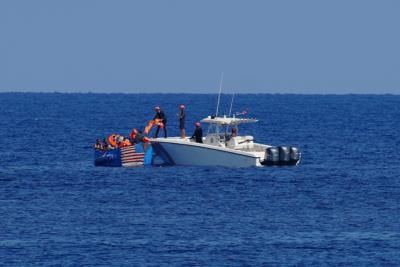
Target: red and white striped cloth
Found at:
130, 158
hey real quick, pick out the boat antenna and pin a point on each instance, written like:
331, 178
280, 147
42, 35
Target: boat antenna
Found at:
219, 95
230, 110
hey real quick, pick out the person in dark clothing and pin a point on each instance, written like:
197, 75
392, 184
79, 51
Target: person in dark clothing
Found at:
105, 144
161, 116
182, 116
98, 144
198, 133
234, 132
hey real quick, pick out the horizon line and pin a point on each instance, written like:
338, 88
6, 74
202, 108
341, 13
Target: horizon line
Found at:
191, 93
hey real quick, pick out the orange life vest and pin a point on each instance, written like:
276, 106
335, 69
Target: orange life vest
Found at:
151, 123
112, 140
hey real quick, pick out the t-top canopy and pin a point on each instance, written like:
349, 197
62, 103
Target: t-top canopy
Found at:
227, 120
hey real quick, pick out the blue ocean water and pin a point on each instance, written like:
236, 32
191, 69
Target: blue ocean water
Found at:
341, 206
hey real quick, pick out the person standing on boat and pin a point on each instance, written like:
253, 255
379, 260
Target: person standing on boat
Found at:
198, 133
160, 115
234, 132
182, 116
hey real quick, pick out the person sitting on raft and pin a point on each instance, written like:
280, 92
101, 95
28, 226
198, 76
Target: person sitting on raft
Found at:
99, 145
136, 137
116, 141
123, 141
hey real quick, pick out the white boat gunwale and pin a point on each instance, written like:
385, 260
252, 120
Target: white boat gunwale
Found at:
205, 146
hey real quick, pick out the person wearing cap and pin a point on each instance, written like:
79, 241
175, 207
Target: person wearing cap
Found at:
182, 115
198, 133
160, 115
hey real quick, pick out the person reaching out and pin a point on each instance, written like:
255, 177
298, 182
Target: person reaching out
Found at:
136, 137
160, 115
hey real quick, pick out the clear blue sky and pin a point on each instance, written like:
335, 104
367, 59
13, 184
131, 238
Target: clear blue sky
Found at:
308, 46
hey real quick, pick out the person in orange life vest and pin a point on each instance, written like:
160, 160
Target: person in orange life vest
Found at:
182, 116
136, 137
112, 140
198, 133
161, 116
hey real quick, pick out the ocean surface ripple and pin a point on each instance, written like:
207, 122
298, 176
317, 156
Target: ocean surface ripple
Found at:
340, 206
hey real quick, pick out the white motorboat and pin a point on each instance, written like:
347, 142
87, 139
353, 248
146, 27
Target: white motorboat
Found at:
223, 147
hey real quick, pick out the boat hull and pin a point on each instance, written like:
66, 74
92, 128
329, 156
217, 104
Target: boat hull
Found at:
194, 154
124, 157
107, 158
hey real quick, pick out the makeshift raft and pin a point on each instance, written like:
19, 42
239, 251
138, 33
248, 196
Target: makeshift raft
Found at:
128, 156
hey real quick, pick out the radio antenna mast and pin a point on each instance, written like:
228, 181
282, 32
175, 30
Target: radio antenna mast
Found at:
230, 110
219, 95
